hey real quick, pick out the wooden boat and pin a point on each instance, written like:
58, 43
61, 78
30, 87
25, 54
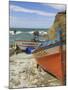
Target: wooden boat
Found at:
53, 59
23, 44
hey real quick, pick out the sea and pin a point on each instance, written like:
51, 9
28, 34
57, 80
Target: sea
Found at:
23, 34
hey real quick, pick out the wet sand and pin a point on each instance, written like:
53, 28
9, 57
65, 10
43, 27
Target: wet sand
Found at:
24, 73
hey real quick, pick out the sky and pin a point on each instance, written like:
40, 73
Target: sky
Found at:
33, 15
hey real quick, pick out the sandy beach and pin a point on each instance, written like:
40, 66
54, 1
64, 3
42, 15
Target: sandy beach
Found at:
24, 73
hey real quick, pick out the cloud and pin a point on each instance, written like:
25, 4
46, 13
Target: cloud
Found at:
26, 10
58, 6
20, 22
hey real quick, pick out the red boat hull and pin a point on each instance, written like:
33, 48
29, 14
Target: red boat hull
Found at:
54, 63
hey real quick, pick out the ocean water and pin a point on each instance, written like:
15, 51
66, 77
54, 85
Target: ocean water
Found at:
22, 34
26, 34
28, 29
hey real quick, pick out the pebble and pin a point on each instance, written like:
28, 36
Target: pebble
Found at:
24, 73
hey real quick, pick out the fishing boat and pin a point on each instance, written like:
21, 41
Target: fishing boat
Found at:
23, 44
52, 59
36, 42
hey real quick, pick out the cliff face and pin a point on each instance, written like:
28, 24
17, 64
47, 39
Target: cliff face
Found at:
60, 21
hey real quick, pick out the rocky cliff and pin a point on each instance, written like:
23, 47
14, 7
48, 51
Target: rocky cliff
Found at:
60, 21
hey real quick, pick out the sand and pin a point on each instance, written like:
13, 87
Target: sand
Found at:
24, 73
